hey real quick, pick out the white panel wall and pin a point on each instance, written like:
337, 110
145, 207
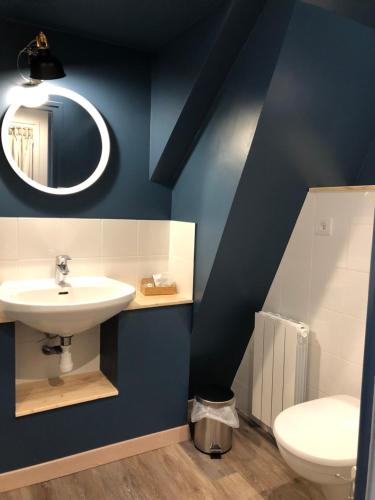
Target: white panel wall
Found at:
181, 256
123, 249
323, 281
128, 250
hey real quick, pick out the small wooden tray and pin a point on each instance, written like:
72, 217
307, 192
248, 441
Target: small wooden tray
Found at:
157, 290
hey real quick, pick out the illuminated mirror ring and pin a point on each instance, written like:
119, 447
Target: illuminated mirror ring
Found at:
95, 115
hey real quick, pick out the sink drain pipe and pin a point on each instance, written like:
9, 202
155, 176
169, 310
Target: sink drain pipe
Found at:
66, 362
64, 349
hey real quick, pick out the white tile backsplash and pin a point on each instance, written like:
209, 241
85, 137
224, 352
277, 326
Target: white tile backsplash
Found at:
120, 238
121, 268
35, 268
325, 329
356, 293
323, 281
80, 238
328, 288
181, 252
153, 237
294, 288
351, 338
181, 271
85, 267
8, 270
359, 246
9, 238
42, 238
127, 250
314, 393
37, 238
181, 240
337, 376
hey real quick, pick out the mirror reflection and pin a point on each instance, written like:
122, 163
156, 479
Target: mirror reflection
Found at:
57, 144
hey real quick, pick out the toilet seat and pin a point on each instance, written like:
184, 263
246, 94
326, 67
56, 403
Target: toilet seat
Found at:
323, 431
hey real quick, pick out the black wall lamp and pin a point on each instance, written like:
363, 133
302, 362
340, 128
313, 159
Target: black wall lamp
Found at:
43, 64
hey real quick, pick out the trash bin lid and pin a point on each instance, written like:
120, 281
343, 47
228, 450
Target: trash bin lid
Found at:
213, 395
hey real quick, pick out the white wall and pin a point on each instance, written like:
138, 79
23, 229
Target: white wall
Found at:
323, 281
128, 250
122, 249
181, 255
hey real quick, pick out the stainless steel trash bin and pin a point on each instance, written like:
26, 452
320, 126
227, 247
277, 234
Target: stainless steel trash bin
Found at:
210, 436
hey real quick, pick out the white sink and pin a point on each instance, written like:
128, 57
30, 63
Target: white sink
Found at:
81, 304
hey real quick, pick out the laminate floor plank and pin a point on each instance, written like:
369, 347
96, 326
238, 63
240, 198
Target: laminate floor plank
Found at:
212, 469
36, 492
65, 488
252, 470
235, 486
121, 480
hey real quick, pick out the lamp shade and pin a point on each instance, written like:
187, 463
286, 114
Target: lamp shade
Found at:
45, 66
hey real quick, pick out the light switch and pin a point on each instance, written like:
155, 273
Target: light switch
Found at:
324, 227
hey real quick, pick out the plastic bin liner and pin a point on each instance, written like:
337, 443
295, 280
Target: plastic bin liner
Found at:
226, 415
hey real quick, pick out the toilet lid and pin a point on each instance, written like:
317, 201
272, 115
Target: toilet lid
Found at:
323, 431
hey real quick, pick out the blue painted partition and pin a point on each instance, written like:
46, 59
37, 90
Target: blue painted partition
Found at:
315, 129
152, 359
213, 170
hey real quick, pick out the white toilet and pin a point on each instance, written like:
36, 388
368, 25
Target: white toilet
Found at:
318, 440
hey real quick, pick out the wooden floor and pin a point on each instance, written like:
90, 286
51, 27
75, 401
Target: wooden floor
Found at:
253, 469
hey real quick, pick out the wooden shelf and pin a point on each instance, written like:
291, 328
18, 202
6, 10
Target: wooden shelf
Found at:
35, 397
341, 188
143, 302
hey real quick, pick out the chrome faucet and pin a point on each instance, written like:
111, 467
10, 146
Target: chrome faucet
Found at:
62, 269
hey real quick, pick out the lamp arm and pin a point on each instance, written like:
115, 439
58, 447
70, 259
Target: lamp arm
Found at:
28, 49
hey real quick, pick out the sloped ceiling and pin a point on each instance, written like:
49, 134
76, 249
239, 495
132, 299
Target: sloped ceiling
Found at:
140, 24
187, 77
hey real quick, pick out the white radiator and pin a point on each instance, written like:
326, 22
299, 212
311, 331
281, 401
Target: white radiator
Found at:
279, 365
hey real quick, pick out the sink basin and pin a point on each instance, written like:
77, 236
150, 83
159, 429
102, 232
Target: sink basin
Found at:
81, 304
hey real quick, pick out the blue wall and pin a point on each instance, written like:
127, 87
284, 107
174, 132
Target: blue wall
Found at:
318, 130
153, 362
177, 122
316, 126
151, 353
211, 173
263, 144
72, 129
175, 71
117, 82
205, 189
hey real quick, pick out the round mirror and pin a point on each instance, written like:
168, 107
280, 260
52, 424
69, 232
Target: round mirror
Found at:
59, 147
